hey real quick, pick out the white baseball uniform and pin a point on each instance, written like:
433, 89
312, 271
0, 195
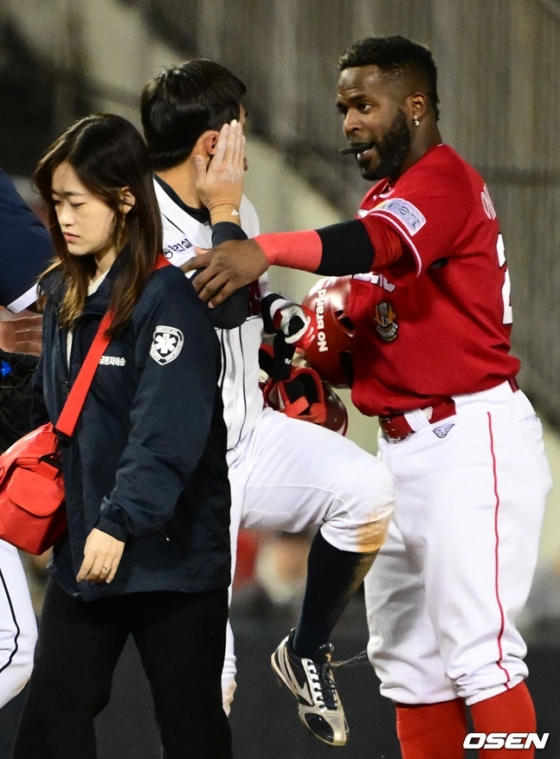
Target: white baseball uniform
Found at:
18, 628
285, 474
25, 251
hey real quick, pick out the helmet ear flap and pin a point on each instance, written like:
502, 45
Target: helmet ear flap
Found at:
329, 350
302, 396
337, 413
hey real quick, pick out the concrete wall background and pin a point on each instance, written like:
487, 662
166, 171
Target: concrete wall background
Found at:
110, 45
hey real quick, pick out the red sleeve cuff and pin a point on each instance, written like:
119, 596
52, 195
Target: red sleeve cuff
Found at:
392, 256
295, 250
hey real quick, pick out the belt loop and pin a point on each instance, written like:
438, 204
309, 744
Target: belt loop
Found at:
419, 419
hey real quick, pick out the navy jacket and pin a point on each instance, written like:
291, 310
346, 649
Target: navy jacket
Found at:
147, 463
25, 244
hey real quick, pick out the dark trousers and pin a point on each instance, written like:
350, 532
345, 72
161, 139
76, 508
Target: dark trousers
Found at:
181, 641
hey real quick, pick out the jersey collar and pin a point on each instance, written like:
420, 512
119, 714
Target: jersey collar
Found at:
200, 214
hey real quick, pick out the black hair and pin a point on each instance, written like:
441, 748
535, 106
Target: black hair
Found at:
108, 154
395, 56
182, 103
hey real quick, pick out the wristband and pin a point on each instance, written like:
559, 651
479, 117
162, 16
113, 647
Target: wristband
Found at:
224, 212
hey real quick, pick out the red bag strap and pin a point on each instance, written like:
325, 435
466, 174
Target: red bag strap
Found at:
76, 399
72, 408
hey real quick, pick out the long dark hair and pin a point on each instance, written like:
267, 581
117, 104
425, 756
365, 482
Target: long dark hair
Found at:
107, 153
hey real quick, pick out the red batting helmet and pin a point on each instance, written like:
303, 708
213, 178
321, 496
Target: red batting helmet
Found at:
304, 395
337, 413
307, 397
330, 350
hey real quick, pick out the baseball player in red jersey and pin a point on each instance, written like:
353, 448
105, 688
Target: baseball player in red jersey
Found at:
432, 359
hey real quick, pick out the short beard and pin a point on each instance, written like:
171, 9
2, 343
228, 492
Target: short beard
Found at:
392, 151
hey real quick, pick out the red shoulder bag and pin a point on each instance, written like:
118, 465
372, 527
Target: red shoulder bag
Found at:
32, 511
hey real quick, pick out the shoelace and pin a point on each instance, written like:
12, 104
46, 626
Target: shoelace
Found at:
323, 685
359, 660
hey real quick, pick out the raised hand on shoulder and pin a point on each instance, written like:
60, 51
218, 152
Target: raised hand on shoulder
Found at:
226, 268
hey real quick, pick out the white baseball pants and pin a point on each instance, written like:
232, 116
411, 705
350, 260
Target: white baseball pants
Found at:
292, 475
456, 568
18, 628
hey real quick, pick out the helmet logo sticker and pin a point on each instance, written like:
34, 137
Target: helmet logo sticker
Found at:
166, 345
329, 349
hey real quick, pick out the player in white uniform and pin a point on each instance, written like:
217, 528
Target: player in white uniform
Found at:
285, 474
25, 250
432, 315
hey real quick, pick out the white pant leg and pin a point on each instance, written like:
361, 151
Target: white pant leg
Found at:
457, 566
237, 485
291, 475
229, 671
18, 628
299, 475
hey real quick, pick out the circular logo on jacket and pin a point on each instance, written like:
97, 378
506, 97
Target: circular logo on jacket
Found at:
167, 344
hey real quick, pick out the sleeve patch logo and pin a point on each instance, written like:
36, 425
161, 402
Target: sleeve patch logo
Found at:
166, 344
405, 212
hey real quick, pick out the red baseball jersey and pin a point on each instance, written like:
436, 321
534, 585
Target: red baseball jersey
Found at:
437, 322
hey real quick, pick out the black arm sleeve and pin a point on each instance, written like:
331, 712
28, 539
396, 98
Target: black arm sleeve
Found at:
226, 230
347, 249
233, 311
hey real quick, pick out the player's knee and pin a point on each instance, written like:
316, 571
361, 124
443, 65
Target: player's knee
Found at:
374, 491
365, 501
370, 536
363, 532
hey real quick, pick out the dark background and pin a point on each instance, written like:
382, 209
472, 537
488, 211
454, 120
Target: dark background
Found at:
264, 715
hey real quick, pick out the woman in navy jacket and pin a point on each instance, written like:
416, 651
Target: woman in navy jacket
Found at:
147, 495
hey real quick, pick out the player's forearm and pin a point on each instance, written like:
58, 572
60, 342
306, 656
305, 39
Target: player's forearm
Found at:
232, 312
351, 247
336, 250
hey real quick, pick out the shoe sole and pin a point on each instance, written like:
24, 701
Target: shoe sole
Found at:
280, 675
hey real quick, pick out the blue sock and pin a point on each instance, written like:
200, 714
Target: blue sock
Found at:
333, 576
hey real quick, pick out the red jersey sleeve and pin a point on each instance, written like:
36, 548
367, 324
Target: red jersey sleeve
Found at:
428, 207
